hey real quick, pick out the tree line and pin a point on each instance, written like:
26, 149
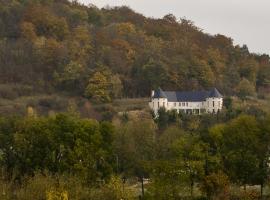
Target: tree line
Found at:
174, 156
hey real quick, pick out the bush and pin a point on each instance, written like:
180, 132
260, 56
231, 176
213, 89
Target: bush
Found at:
36, 187
45, 186
246, 195
107, 112
113, 190
216, 186
6, 190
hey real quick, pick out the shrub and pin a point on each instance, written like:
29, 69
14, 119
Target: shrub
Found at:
36, 187
216, 186
107, 112
113, 190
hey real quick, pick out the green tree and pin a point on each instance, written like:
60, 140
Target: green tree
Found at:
98, 88
71, 77
240, 140
168, 180
116, 86
134, 145
190, 151
245, 89
263, 153
248, 69
162, 119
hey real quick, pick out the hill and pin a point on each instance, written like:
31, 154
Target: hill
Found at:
63, 48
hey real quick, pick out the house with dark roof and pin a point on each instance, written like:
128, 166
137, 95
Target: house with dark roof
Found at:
190, 102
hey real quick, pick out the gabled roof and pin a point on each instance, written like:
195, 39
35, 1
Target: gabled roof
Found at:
215, 93
187, 96
159, 94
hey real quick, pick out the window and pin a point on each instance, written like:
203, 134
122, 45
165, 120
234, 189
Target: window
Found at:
219, 104
183, 104
180, 104
187, 104
174, 104
153, 104
213, 103
163, 104
158, 104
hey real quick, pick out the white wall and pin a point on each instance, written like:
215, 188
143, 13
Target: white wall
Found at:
218, 103
188, 105
155, 104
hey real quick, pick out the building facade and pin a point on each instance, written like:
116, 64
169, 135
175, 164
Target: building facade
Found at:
192, 102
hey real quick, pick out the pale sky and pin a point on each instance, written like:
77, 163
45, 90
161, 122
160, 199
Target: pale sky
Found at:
245, 21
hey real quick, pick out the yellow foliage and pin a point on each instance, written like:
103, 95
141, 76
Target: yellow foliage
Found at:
28, 31
126, 29
56, 195
31, 112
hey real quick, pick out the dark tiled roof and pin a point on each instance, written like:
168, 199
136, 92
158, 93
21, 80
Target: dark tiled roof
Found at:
159, 94
215, 93
191, 96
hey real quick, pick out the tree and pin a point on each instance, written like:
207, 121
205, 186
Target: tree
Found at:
71, 77
58, 144
263, 153
189, 150
162, 118
240, 140
134, 145
245, 89
80, 45
168, 180
165, 141
116, 86
248, 69
28, 31
216, 186
98, 88
45, 22
227, 101
154, 74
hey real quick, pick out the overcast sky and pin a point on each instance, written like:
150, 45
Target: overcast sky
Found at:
245, 21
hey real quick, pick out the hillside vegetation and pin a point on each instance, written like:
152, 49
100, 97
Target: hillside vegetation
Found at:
49, 46
74, 118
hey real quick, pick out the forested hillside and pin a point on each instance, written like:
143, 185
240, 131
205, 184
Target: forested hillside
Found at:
53, 46
75, 82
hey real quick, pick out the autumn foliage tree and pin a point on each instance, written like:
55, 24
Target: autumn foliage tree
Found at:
49, 38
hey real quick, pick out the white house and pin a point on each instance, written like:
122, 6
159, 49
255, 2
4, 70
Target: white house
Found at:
191, 102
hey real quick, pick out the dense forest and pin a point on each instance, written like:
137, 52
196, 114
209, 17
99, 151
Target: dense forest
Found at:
51, 46
74, 118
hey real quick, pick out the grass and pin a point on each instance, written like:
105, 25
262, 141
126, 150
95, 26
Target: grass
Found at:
262, 104
44, 104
